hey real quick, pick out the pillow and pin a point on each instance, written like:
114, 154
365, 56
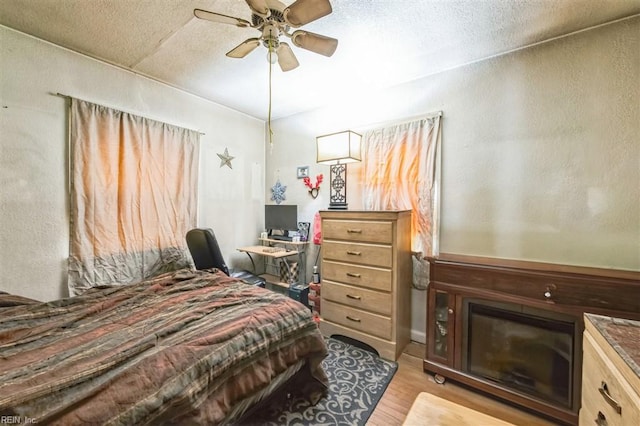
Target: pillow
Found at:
8, 300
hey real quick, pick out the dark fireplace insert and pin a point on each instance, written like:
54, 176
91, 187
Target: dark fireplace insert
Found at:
524, 349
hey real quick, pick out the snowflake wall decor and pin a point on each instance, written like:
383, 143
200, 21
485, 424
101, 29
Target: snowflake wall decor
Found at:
277, 192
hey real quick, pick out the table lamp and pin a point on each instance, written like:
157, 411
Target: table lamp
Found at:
336, 150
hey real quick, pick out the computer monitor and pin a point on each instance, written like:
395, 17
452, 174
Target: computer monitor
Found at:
280, 218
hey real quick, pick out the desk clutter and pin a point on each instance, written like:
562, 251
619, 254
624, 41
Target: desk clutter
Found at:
299, 292
284, 266
314, 297
314, 292
273, 249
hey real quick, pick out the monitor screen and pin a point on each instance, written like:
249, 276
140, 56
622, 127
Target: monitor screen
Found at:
281, 217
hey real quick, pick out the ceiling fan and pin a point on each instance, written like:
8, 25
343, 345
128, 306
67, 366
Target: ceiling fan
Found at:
273, 19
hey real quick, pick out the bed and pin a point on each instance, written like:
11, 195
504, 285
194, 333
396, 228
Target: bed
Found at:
186, 347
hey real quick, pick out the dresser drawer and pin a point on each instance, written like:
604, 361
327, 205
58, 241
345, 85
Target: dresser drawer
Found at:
621, 406
361, 231
370, 323
374, 301
362, 254
362, 276
558, 288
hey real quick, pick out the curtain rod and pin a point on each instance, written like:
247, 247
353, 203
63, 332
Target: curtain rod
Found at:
373, 126
128, 112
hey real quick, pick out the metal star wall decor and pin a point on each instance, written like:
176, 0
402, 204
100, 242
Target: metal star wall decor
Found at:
225, 159
277, 191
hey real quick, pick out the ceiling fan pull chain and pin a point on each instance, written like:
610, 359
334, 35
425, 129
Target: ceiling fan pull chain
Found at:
269, 113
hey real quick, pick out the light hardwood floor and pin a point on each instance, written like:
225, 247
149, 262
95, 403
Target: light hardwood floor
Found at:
410, 380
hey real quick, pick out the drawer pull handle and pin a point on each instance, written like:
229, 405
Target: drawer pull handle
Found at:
354, 231
351, 274
548, 294
601, 420
350, 296
604, 391
353, 319
354, 253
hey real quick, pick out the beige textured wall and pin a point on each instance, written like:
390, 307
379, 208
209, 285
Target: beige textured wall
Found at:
540, 158
33, 157
541, 149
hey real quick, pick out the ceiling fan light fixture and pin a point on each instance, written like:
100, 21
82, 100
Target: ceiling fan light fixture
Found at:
317, 43
272, 56
286, 58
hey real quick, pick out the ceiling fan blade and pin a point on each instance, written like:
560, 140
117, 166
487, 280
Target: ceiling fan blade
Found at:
244, 48
259, 7
302, 12
286, 58
315, 42
218, 17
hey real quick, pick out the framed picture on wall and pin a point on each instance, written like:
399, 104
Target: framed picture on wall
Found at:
303, 172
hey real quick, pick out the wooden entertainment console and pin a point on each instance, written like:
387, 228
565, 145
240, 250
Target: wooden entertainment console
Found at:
546, 292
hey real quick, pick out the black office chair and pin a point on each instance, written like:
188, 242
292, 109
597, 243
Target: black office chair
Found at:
206, 254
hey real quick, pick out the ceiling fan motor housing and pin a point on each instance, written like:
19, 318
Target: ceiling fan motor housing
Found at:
270, 34
276, 10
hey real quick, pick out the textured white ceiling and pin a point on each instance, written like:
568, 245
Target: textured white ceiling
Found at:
381, 42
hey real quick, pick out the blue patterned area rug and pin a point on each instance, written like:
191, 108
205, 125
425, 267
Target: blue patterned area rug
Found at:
357, 381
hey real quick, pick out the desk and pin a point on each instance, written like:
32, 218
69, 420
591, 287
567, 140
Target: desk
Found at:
282, 250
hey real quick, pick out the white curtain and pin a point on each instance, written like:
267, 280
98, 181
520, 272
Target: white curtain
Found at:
133, 196
400, 171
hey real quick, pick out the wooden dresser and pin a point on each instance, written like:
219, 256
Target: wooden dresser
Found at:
610, 372
366, 278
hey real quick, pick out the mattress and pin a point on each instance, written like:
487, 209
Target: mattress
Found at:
194, 347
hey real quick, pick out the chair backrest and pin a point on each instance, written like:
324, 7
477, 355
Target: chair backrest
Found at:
205, 250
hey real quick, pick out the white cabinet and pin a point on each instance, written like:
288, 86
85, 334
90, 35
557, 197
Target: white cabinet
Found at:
610, 372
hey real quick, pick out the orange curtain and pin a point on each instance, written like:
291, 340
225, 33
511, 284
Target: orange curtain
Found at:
399, 171
133, 196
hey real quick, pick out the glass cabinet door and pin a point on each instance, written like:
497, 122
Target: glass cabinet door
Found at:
441, 329
440, 326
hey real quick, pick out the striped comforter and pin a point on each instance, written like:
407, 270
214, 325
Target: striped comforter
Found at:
185, 347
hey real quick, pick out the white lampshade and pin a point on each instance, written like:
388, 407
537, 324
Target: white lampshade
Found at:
339, 148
